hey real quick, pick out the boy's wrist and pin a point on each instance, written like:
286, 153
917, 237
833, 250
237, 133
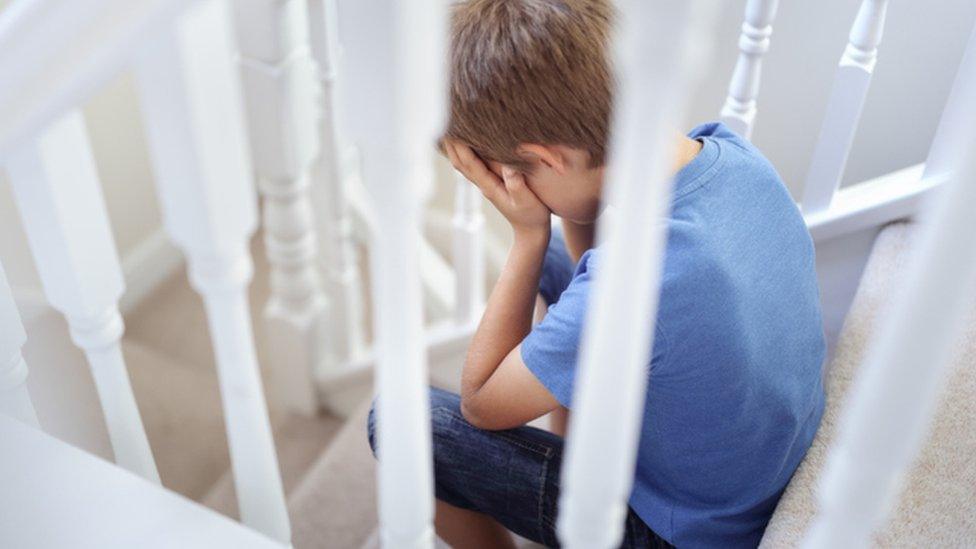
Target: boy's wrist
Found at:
533, 236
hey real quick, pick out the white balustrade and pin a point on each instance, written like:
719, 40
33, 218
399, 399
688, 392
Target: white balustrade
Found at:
189, 83
15, 400
844, 107
282, 95
469, 252
402, 66
739, 111
896, 392
59, 196
658, 45
339, 258
943, 153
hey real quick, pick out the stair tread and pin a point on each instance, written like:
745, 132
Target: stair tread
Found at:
935, 506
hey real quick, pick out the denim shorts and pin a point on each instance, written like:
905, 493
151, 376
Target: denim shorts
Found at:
511, 475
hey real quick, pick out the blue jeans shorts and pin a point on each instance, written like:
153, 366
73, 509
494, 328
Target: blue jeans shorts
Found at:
511, 475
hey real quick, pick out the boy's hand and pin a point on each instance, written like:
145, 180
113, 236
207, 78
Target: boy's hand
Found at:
509, 194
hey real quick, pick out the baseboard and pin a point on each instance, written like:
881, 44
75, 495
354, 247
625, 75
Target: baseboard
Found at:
146, 267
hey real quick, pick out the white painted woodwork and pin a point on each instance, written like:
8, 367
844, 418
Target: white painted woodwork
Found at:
74, 48
15, 399
896, 391
952, 124
59, 196
739, 111
844, 106
282, 93
192, 103
339, 260
402, 68
657, 46
56, 495
469, 252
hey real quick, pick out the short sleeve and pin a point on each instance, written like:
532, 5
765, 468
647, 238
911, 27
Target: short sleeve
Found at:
551, 348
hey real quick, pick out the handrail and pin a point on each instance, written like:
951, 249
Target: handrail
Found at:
54, 53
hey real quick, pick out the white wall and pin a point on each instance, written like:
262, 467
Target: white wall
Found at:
919, 54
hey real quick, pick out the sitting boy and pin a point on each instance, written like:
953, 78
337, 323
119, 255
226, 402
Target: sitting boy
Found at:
734, 391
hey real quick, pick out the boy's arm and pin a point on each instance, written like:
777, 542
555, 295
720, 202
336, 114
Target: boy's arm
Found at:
497, 390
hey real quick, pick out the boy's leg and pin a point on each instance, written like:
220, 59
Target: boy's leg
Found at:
511, 476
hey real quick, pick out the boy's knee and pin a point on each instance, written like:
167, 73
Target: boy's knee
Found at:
440, 400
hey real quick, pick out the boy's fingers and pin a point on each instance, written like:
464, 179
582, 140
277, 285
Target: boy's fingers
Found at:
476, 170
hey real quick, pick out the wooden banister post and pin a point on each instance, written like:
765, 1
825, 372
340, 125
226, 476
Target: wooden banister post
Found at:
655, 55
339, 259
469, 252
15, 400
739, 112
190, 88
282, 95
844, 107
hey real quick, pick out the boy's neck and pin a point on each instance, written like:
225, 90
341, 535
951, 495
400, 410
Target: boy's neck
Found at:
686, 151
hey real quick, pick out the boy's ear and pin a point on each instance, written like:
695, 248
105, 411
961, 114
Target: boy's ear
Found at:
548, 155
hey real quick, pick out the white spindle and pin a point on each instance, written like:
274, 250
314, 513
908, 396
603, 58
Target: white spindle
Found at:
657, 45
897, 389
952, 124
401, 70
15, 400
60, 200
469, 252
844, 107
339, 258
739, 112
190, 89
282, 96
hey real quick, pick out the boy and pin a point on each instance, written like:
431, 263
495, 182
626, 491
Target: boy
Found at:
734, 391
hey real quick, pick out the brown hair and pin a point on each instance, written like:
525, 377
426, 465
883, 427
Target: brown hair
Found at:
530, 71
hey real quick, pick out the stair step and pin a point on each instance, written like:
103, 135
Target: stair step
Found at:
298, 440
935, 507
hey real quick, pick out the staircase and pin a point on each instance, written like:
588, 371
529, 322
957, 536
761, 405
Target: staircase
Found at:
935, 507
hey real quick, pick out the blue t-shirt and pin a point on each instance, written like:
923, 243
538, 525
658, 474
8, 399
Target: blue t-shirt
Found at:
734, 394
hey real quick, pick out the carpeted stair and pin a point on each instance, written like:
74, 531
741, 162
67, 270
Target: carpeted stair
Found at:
935, 508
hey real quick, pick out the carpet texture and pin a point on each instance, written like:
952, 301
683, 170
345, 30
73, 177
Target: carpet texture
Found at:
937, 506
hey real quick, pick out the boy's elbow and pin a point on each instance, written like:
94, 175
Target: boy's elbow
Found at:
476, 414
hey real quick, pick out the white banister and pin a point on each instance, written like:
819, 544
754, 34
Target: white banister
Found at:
58, 193
73, 47
402, 66
339, 258
15, 400
897, 389
469, 252
658, 46
844, 107
282, 93
739, 111
952, 124
189, 84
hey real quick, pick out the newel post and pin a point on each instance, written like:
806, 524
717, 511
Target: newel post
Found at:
282, 97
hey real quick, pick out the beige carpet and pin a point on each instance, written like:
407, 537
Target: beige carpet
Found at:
171, 364
937, 507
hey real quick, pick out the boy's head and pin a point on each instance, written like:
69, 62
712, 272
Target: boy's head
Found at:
531, 88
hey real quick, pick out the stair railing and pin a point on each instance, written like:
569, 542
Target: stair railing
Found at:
282, 96
184, 59
15, 400
658, 47
59, 196
843, 114
739, 111
896, 391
